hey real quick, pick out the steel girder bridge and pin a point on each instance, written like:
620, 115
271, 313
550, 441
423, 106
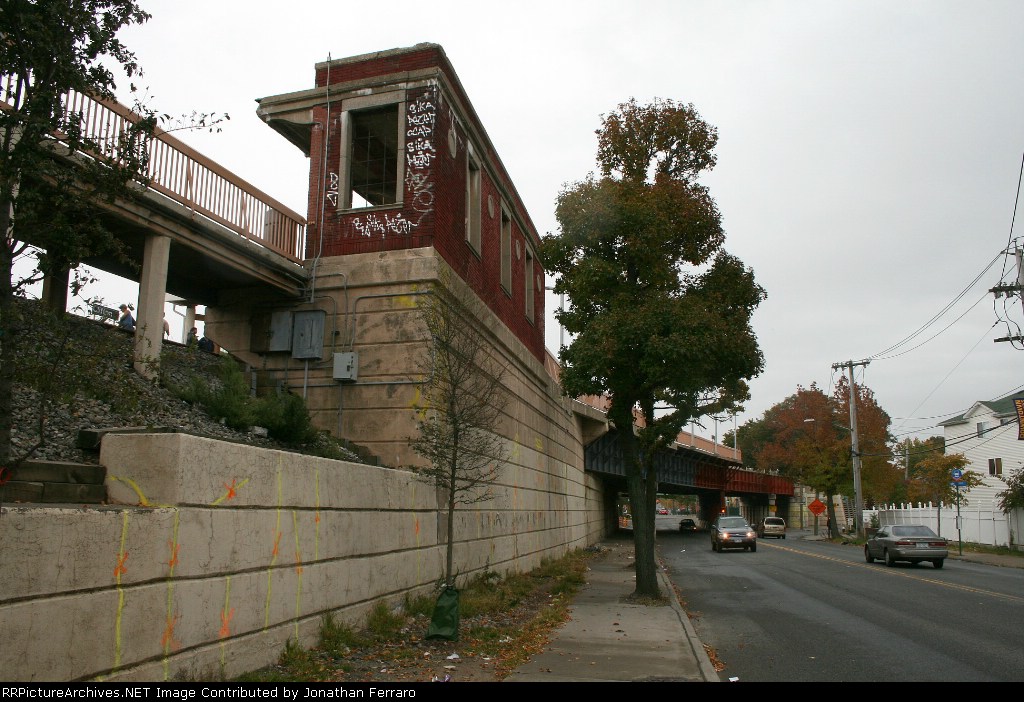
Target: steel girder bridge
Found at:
686, 470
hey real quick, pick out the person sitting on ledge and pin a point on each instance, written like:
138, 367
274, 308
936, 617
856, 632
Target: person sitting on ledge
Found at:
126, 321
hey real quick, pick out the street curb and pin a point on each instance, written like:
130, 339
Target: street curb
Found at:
707, 669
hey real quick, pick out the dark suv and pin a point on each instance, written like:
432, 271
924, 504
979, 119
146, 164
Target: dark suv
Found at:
732, 532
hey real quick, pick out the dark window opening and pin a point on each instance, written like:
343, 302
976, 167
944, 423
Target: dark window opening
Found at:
506, 251
373, 171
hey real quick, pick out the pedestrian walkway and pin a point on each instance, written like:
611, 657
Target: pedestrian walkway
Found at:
609, 639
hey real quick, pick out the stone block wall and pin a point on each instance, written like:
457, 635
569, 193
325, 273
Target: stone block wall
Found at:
215, 554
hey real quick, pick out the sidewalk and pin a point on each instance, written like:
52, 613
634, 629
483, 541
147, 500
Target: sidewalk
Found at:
609, 639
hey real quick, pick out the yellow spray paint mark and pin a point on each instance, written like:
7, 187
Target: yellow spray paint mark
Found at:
274, 553
119, 570
316, 533
538, 444
407, 301
143, 502
298, 572
167, 641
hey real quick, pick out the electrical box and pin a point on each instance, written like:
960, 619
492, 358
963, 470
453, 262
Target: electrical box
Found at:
271, 332
346, 366
308, 334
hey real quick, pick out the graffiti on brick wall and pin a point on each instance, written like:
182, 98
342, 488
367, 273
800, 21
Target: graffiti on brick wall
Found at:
420, 119
378, 225
332, 189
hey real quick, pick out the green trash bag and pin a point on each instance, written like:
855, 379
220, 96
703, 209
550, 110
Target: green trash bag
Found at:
444, 623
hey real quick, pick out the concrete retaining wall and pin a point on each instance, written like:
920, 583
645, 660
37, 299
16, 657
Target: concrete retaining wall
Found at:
215, 554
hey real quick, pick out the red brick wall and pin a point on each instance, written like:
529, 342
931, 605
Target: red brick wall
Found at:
433, 210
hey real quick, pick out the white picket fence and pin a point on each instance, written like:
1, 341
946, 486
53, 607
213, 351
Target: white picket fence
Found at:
982, 523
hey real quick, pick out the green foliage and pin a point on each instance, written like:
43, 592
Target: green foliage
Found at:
229, 399
336, 638
659, 313
932, 476
286, 418
1013, 496
383, 622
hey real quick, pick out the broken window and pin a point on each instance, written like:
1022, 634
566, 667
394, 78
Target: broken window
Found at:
374, 157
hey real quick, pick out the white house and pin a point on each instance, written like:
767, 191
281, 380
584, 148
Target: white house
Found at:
988, 434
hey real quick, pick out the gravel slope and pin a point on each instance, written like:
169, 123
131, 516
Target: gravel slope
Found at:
85, 347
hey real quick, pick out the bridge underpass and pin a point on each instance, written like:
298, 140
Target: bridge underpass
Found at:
686, 470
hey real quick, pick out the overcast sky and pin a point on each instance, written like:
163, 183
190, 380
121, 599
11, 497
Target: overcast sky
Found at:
869, 151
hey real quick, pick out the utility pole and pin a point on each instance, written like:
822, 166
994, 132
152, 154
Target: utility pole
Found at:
1011, 290
858, 500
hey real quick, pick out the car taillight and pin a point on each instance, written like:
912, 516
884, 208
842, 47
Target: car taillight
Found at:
904, 543
938, 544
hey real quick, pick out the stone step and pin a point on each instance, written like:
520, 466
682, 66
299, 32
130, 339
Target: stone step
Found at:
90, 439
55, 482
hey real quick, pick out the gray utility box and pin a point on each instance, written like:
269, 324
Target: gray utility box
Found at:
272, 332
346, 366
308, 334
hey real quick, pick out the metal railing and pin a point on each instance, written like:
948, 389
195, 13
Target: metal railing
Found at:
185, 176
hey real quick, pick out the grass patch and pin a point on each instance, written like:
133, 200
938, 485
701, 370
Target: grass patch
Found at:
987, 548
506, 619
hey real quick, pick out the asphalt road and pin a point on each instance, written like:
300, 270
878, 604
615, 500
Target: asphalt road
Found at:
801, 610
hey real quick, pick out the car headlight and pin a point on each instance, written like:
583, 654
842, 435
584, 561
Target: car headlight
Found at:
751, 535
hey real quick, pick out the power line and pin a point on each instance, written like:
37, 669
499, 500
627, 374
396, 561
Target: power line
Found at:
938, 315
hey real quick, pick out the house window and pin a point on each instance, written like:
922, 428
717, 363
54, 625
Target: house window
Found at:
473, 200
374, 157
529, 283
981, 427
995, 466
506, 250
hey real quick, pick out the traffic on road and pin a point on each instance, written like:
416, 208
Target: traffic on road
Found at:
806, 609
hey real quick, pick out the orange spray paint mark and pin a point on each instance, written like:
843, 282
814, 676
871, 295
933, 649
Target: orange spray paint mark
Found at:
174, 553
277, 544
120, 569
225, 623
298, 562
231, 489
167, 641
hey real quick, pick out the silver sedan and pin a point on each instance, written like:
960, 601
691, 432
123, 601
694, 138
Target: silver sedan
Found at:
906, 542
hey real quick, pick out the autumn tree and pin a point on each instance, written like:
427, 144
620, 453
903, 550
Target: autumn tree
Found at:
658, 311
48, 48
1013, 496
932, 480
463, 401
910, 452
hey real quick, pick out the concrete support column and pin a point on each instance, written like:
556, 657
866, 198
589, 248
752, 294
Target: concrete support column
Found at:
55, 291
149, 326
190, 320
